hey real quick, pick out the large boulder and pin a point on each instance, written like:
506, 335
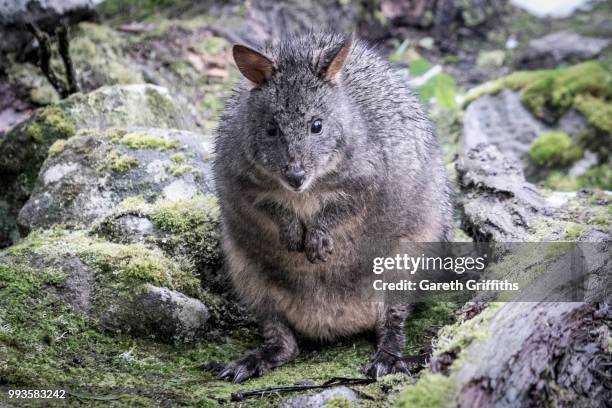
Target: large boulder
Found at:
23, 149
132, 289
87, 176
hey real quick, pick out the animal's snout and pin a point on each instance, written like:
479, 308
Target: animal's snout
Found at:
295, 175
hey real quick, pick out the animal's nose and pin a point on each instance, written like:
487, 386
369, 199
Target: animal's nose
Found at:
295, 176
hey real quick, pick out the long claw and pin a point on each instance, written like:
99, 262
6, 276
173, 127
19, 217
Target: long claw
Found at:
240, 376
225, 374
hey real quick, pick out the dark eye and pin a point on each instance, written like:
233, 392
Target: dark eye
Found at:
316, 126
272, 130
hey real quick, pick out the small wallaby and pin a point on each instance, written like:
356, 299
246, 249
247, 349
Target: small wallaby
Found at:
322, 152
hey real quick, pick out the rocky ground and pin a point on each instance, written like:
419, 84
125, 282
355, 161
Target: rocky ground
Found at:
111, 278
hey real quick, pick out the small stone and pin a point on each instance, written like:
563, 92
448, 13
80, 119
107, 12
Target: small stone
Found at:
562, 46
320, 399
426, 43
491, 59
160, 312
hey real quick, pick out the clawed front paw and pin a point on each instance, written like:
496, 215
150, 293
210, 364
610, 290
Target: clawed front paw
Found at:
318, 245
383, 363
248, 366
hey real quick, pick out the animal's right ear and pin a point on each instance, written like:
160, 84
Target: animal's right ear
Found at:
256, 67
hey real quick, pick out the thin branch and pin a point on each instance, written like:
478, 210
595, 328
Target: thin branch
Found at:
44, 57
334, 382
63, 88
64, 50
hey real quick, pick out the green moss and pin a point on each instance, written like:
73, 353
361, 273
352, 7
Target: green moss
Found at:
49, 125
98, 50
57, 147
515, 81
182, 215
596, 177
424, 321
603, 220
44, 343
135, 204
182, 169
35, 132
213, 45
549, 93
456, 337
120, 163
178, 158
125, 265
187, 230
158, 102
115, 134
57, 120
141, 140
598, 112
122, 75
554, 149
431, 391
137, 263
574, 231
559, 181
44, 95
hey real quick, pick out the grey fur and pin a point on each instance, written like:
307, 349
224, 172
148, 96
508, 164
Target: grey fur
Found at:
373, 175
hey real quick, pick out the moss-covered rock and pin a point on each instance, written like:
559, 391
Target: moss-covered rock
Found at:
96, 170
186, 230
548, 93
576, 100
499, 204
23, 149
127, 288
586, 87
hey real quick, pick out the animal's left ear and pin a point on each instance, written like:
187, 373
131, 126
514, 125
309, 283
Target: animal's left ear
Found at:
334, 59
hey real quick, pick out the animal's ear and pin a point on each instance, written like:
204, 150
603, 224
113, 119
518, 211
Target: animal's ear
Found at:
334, 59
256, 67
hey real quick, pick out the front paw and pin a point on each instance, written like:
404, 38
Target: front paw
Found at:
292, 234
383, 363
318, 245
247, 366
